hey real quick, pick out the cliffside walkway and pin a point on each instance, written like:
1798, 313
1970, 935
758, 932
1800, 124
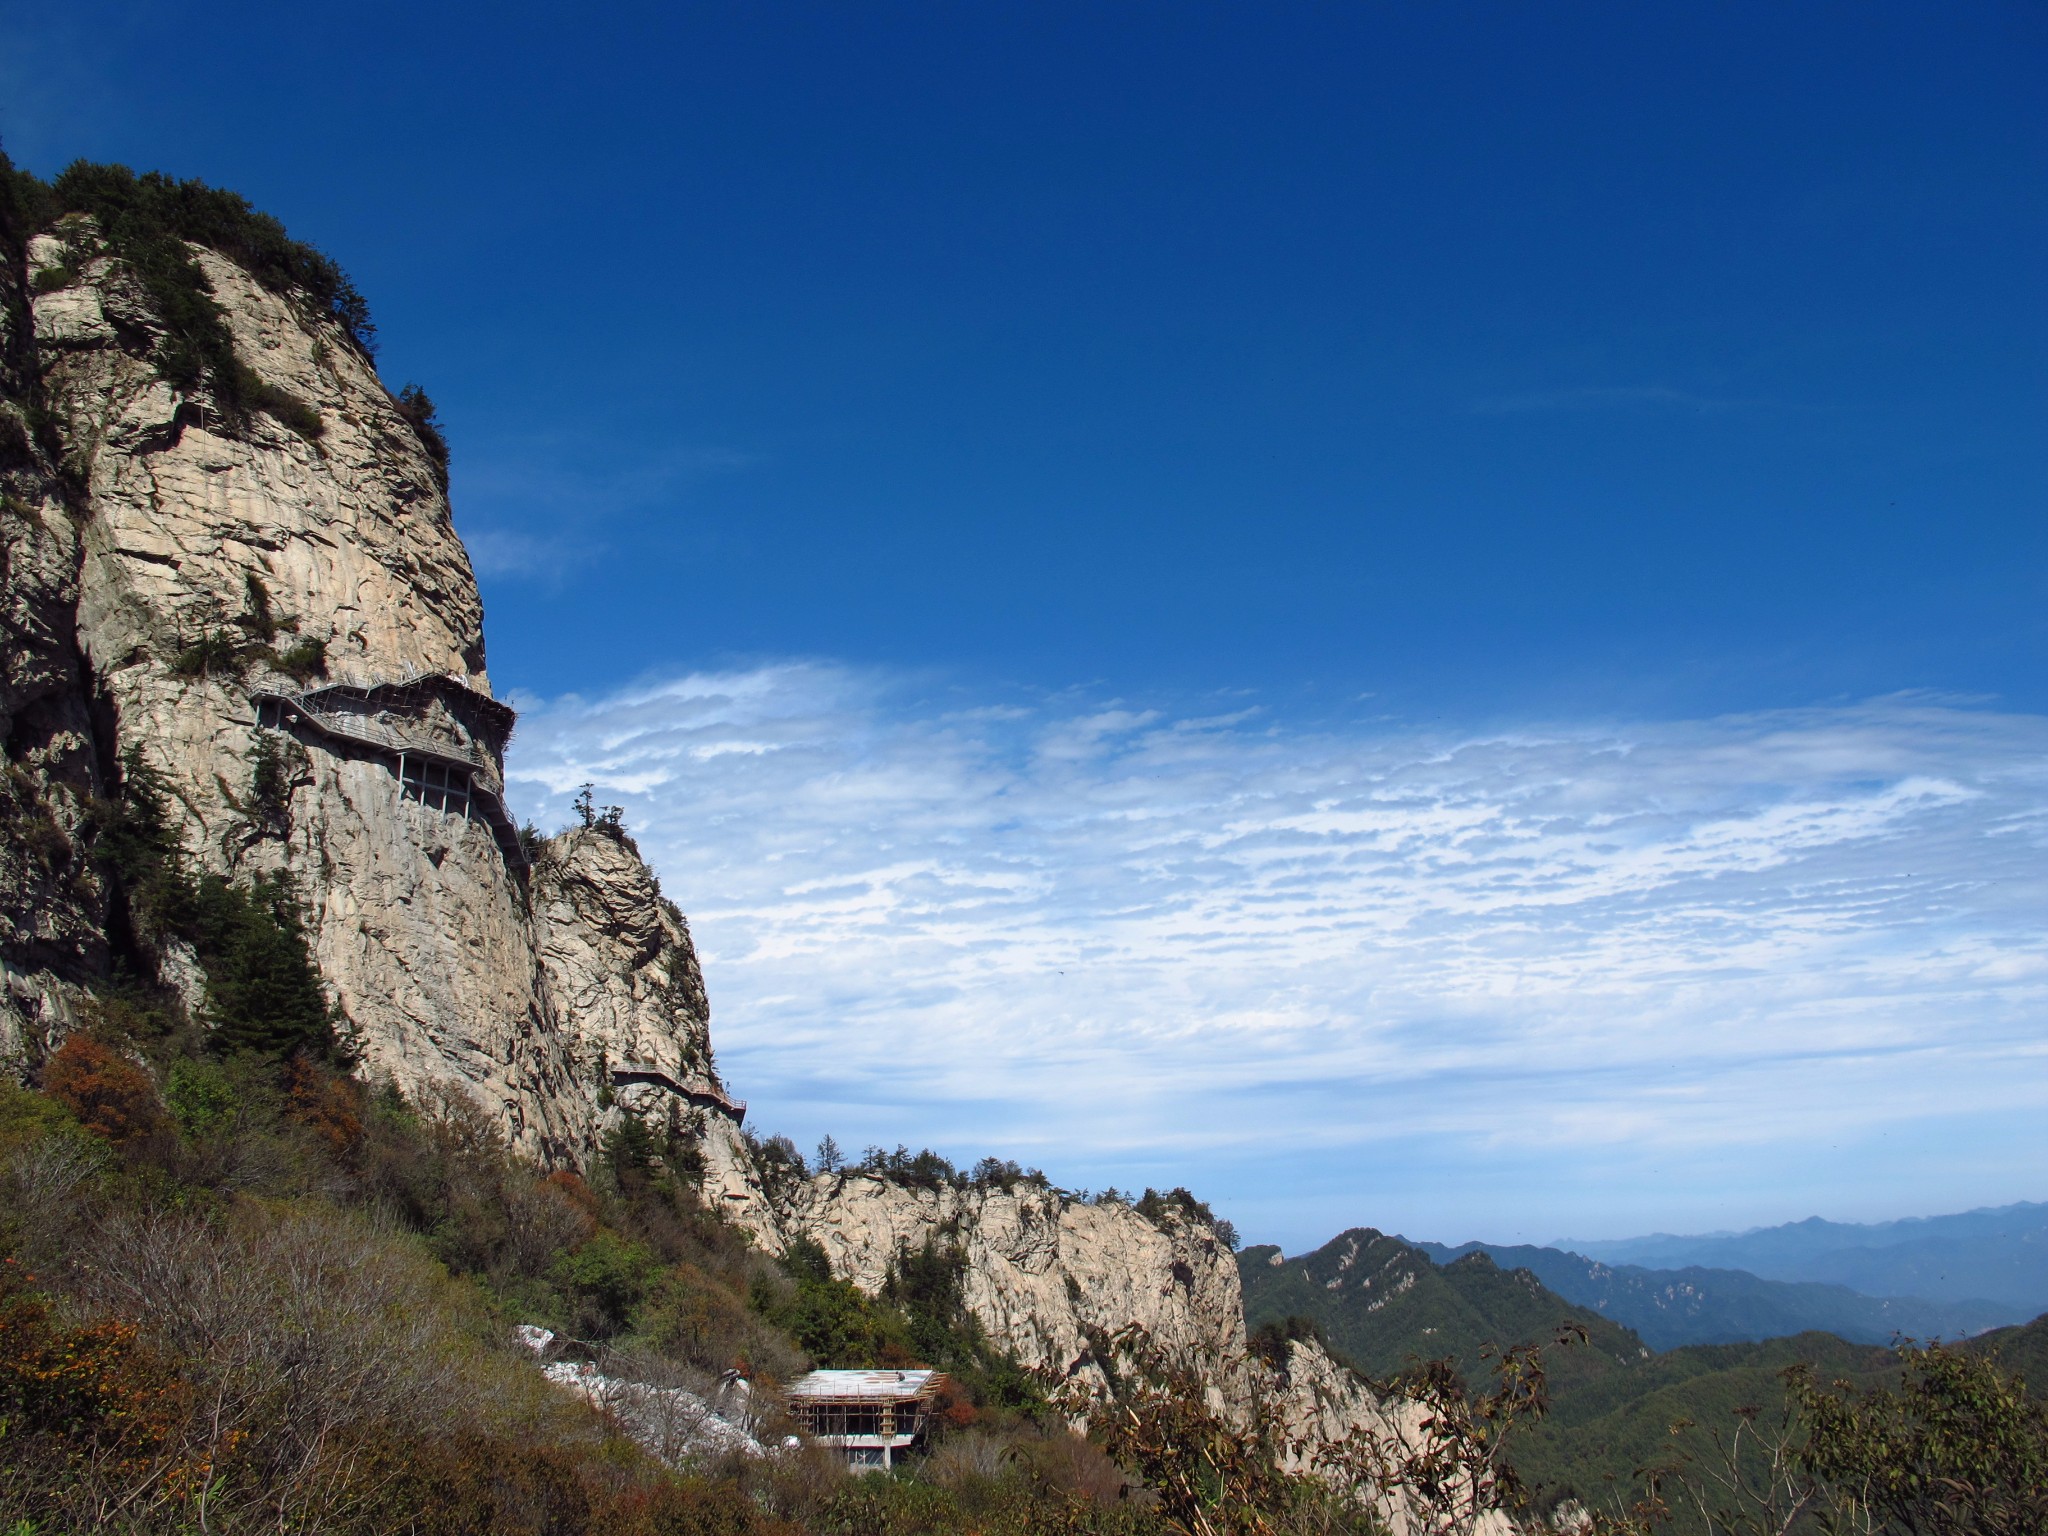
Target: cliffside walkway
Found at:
628, 1072
435, 771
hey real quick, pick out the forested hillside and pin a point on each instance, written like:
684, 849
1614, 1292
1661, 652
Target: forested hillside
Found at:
1388, 1307
1382, 1304
243, 1291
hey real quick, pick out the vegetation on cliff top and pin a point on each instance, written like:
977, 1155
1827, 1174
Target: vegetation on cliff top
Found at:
146, 223
148, 218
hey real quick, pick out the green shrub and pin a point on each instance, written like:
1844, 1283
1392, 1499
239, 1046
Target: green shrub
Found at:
263, 991
259, 618
833, 1321
532, 842
924, 1169
147, 222
41, 836
304, 659
1272, 1341
151, 211
273, 765
200, 1096
134, 846
216, 653
630, 1150
1958, 1447
927, 1283
280, 404
605, 1280
608, 819
419, 411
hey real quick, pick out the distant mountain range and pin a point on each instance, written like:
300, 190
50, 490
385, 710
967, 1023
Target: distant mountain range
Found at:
1384, 1304
1998, 1255
1698, 1305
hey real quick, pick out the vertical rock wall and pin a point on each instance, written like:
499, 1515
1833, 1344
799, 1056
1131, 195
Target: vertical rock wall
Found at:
190, 533
52, 907
1052, 1278
210, 593
621, 976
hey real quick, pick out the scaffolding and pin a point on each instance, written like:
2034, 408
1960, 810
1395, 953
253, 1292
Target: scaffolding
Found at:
869, 1417
438, 774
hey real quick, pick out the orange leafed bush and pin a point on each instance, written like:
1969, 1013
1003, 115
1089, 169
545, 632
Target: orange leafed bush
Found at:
572, 1185
81, 1389
325, 1102
110, 1095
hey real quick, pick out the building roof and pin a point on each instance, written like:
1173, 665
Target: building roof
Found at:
878, 1386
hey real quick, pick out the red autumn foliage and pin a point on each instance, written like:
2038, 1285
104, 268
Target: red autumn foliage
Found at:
572, 1185
110, 1095
91, 1389
325, 1102
956, 1410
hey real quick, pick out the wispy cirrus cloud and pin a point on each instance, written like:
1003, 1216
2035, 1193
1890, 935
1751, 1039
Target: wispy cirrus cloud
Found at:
510, 553
515, 498
1103, 936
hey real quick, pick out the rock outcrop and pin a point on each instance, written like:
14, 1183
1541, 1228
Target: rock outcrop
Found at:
620, 974
1320, 1408
1051, 1277
338, 555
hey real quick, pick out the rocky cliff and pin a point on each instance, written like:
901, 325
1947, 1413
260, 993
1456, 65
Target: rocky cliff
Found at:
1053, 1278
268, 608
52, 906
242, 580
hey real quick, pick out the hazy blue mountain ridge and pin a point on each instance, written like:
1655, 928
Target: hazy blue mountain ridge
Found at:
1696, 1305
1995, 1255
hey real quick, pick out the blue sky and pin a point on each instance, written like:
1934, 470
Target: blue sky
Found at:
1479, 569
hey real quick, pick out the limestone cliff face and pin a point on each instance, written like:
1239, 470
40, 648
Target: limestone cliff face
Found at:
1318, 1405
52, 908
284, 626
1057, 1281
1052, 1278
620, 974
190, 535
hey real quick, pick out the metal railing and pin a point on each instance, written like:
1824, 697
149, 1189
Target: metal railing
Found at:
487, 792
628, 1072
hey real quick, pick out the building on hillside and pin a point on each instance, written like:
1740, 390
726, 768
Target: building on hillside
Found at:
870, 1417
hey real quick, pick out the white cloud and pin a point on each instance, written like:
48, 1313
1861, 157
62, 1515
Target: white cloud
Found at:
509, 553
1101, 936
